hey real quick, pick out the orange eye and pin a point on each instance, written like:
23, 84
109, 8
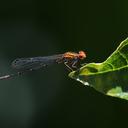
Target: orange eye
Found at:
82, 55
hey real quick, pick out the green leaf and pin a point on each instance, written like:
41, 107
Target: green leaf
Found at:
109, 77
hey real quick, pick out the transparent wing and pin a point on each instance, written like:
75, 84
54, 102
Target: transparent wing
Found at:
34, 63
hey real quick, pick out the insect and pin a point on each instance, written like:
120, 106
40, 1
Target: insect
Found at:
22, 65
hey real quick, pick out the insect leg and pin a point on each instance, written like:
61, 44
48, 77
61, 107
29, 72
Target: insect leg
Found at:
74, 64
67, 65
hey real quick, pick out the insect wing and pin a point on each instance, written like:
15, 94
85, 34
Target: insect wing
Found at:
27, 64
35, 62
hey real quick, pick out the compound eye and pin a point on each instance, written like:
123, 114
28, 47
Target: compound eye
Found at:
82, 55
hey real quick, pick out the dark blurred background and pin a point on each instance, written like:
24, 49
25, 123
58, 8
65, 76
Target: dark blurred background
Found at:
49, 98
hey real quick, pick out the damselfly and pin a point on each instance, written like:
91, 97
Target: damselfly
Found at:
23, 65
